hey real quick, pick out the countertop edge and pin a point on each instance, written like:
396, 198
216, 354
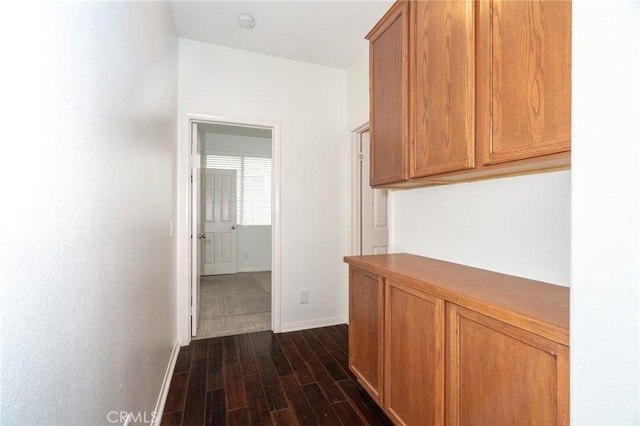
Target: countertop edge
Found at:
500, 303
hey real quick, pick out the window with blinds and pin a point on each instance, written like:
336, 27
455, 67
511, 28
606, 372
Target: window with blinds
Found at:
253, 186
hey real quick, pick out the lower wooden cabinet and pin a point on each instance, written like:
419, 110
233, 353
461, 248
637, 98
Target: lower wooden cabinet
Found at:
462, 347
498, 374
366, 330
414, 356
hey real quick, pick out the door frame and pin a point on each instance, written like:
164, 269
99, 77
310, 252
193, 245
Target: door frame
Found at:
355, 197
183, 215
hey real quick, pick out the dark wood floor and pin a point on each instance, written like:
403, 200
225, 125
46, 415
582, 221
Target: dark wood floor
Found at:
298, 378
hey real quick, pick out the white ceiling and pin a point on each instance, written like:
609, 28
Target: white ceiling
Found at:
322, 32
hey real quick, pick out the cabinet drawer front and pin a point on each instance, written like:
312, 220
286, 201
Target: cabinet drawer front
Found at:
501, 375
414, 369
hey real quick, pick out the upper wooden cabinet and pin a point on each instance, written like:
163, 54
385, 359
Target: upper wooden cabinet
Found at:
524, 79
389, 80
442, 94
465, 90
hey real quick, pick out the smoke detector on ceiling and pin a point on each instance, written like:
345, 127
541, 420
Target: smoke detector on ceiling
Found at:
246, 21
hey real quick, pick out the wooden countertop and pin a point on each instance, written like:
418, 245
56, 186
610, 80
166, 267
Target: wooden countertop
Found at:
539, 307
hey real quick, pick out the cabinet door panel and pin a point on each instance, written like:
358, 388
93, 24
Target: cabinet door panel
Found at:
524, 79
414, 369
389, 81
443, 95
501, 375
365, 330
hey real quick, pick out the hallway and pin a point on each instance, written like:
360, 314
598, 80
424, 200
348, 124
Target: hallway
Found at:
297, 378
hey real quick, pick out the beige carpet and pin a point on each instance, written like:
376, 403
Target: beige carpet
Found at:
234, 304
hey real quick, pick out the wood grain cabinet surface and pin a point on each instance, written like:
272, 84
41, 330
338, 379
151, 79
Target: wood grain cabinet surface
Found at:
499, 374
457, 345
389, 85
524, 79
467, 90
414, 356
442, 95
365, 333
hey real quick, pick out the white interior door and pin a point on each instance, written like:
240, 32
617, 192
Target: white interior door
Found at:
374, 231
196, 231
219, 222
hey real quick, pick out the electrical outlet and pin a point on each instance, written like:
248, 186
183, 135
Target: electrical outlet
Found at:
246, 256
304, 296
171, 228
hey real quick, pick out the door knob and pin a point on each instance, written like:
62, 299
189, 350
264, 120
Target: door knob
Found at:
202, 236
234, 226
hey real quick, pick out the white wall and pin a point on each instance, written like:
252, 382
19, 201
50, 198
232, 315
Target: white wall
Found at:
87, 272
358, 91
309, 101
605, 350
518, 226
254, 248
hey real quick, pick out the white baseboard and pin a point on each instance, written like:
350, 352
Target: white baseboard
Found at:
305, 325
164, 389
255, 269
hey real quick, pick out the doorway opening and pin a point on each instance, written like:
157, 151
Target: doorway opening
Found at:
228, 253
232, 219
369, 222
